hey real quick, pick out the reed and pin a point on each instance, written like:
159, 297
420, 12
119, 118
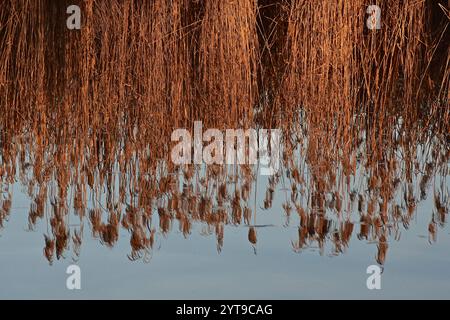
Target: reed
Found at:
218, 60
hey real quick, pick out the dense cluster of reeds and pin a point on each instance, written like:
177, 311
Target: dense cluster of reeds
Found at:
221, 60
81, 110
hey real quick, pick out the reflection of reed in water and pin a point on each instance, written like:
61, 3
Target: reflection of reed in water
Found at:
87, 116
336, 196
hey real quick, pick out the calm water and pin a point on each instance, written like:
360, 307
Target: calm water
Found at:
259, 258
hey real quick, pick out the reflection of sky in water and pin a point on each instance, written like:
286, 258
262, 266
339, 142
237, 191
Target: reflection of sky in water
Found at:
192, 268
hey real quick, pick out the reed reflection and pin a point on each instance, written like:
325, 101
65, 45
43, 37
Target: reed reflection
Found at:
108, 186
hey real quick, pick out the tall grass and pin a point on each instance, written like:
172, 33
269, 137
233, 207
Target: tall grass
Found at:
219, 60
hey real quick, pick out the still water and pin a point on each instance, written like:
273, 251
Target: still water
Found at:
230, 234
